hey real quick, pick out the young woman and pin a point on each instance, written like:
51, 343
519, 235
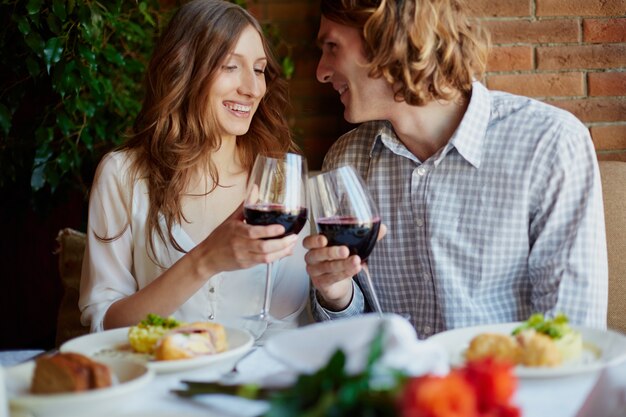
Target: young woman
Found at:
166, 233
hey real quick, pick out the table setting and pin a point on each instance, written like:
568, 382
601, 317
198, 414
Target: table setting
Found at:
253, 378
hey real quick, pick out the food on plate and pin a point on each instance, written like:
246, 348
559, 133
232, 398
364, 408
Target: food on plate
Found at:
169, 339
536, 342
144, 336
537, 349
497, 346
68, 372
568, 341
196, 339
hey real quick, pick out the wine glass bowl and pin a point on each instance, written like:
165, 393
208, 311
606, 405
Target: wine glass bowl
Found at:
293, 220
346, 214
276, 194
359, 236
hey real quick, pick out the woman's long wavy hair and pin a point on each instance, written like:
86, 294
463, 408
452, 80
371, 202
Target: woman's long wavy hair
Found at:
176, 129
425, 49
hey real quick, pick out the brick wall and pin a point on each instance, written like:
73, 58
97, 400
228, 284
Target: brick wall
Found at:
316, 113
569, 53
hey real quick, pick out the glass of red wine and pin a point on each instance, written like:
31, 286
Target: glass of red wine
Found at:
345, 213
276, 194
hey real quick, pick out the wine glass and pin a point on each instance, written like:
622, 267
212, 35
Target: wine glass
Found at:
345, 213
276, 194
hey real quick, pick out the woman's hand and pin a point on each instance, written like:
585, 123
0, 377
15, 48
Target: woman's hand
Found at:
236, 245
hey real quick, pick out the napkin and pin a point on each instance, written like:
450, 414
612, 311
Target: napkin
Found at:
608, 396
308, 348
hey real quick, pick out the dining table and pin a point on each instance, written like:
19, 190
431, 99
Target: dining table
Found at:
599, 393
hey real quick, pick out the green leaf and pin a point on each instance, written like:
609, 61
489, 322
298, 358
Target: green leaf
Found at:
54, 24
88, 55
143, 8
38, 179
85, 106
100, 131
42, 156
52, 176
64, 123
84, 14
5, 119
33, 6
22, 24
90, 23
288, 67
52, 52
64, 161
44, 136
58, 8
35, 43
112, 55
33, 67
86, 138
65, 78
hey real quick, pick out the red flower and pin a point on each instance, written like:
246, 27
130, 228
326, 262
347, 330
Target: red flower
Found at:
432, 396
493, 381
482, 388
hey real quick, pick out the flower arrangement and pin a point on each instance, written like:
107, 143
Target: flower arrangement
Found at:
483, 388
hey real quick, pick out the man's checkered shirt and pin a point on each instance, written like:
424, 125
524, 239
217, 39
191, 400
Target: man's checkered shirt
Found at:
505, 220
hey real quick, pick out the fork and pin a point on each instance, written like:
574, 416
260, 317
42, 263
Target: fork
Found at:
234, 372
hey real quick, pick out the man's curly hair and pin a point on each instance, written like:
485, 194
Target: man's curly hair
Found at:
425, 49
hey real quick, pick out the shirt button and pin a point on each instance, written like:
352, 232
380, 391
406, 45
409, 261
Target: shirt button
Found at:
212, 290
421, 171
211, 317
419, 223
427, 330
426, 275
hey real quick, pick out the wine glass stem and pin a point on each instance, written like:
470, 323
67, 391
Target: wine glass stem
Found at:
370, 286
265, 312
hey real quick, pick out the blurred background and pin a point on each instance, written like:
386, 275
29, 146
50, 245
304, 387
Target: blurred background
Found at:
70, 77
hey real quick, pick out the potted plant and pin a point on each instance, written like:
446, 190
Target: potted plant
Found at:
70, 86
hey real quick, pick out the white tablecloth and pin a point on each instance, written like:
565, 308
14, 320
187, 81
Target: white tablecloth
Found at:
554, 397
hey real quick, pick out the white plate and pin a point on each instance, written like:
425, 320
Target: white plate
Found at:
114, 343
601, 348
129, 376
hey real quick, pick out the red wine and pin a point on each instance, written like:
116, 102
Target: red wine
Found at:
266, 214
359, 237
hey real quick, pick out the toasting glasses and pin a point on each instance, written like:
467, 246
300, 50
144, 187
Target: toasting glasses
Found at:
276, 195
345, 213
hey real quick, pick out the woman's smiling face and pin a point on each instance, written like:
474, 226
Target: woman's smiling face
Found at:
239, 85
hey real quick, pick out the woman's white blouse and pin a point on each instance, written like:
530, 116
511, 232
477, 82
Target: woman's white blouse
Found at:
119, 267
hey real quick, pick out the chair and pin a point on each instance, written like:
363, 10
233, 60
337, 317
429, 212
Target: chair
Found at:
613, 175
70, 250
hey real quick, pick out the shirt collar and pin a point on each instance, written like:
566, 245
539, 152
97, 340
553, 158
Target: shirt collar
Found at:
386, 136
469, 137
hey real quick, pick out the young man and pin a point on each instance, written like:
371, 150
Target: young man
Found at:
493, 201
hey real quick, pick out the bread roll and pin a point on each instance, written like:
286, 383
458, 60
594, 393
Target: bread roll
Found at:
68, 372
494, 345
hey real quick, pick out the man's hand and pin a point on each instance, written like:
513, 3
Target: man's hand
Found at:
331, 269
